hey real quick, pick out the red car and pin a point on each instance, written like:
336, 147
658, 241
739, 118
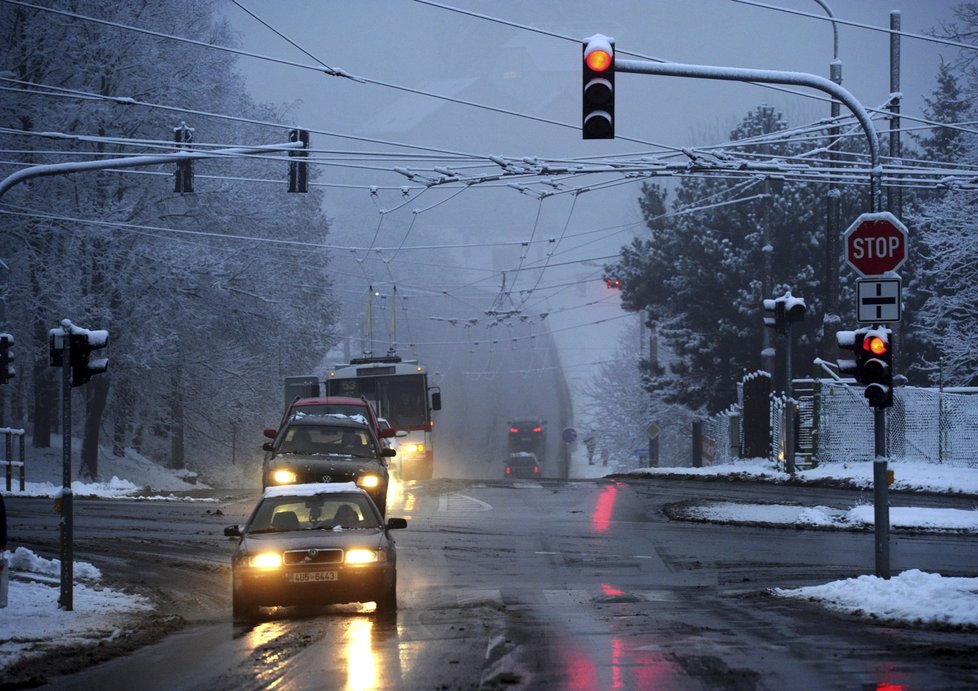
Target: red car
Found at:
333, 405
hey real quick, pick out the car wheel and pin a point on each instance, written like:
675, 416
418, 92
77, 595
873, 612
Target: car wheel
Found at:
242, 608
387, 603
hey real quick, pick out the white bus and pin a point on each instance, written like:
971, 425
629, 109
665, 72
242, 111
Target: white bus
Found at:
399, 392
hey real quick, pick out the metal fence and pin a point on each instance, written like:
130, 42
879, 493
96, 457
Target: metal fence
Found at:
924, 424
835, 424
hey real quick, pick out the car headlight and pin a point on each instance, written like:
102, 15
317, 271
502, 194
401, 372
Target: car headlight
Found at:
368, 481
266, 560
413, 448
283, 477
364, 556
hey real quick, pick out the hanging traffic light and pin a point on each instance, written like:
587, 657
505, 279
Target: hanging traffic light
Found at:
598, 115
7, 371
299, 169
83, 365
875, 363
613, 282
183, 180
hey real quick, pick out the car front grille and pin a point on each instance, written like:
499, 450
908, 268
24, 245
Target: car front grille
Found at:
313, 556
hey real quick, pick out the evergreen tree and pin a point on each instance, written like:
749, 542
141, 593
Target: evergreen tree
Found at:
703, 272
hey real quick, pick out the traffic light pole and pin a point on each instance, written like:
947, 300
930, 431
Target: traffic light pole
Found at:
66, 600
881, 495
136, 162
737, 74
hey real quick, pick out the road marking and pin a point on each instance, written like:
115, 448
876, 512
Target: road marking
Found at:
469, 596
461, 503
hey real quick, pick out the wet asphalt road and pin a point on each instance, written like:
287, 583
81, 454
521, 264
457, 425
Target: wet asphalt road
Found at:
579, 585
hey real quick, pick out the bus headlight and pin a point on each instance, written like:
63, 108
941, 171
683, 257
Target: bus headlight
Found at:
413, 448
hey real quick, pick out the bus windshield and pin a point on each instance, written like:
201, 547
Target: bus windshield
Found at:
402, 398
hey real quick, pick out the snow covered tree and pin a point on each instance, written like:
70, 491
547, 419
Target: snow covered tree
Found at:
207, 303
944, 294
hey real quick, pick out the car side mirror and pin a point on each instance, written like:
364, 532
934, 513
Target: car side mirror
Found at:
233, 531
268, 446
401, 433
396, 523
270, 432
388, 432
388, 452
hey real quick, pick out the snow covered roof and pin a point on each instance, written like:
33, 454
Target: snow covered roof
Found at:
310, 489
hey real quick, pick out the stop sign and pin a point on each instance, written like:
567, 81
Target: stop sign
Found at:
876, 243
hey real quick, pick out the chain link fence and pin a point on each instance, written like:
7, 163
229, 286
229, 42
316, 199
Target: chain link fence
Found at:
924, 424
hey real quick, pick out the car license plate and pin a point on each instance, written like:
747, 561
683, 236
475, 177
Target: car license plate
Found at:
312, 576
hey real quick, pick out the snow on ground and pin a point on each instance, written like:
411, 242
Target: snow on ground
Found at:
32, 623
909, 476
913, 596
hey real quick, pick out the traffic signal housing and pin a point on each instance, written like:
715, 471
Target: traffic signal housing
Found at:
7, 371
847, 341
83, 344
598, 88
780, 313
299, 169
875, 356
871, 363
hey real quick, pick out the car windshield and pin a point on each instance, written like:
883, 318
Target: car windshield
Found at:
327, 440
318, 512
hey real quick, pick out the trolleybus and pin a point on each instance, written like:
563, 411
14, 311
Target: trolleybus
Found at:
398, 390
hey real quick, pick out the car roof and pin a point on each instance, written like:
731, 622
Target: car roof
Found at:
312, 489
331, 419
330, 400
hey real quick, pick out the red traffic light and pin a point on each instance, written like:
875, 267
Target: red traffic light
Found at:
613, 282
599, 60
875, 345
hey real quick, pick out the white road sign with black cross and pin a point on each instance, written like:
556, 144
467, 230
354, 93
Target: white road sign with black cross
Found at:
878, 300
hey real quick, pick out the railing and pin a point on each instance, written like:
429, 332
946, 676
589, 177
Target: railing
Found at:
9, 461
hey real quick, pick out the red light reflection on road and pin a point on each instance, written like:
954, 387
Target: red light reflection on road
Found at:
603, 510
611, 590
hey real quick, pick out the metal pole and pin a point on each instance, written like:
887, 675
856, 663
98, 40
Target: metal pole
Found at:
65, 601
881, 499
894, 197
790, 411
698, 444
812, 81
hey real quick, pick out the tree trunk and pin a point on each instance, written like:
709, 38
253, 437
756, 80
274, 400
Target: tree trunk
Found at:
45, 404
177, 459
97, 393
123, 409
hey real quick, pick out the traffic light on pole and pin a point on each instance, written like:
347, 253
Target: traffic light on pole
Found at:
851, 342
299, 169
6, 358
598, 115
875, 363
83, 365
183, 180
